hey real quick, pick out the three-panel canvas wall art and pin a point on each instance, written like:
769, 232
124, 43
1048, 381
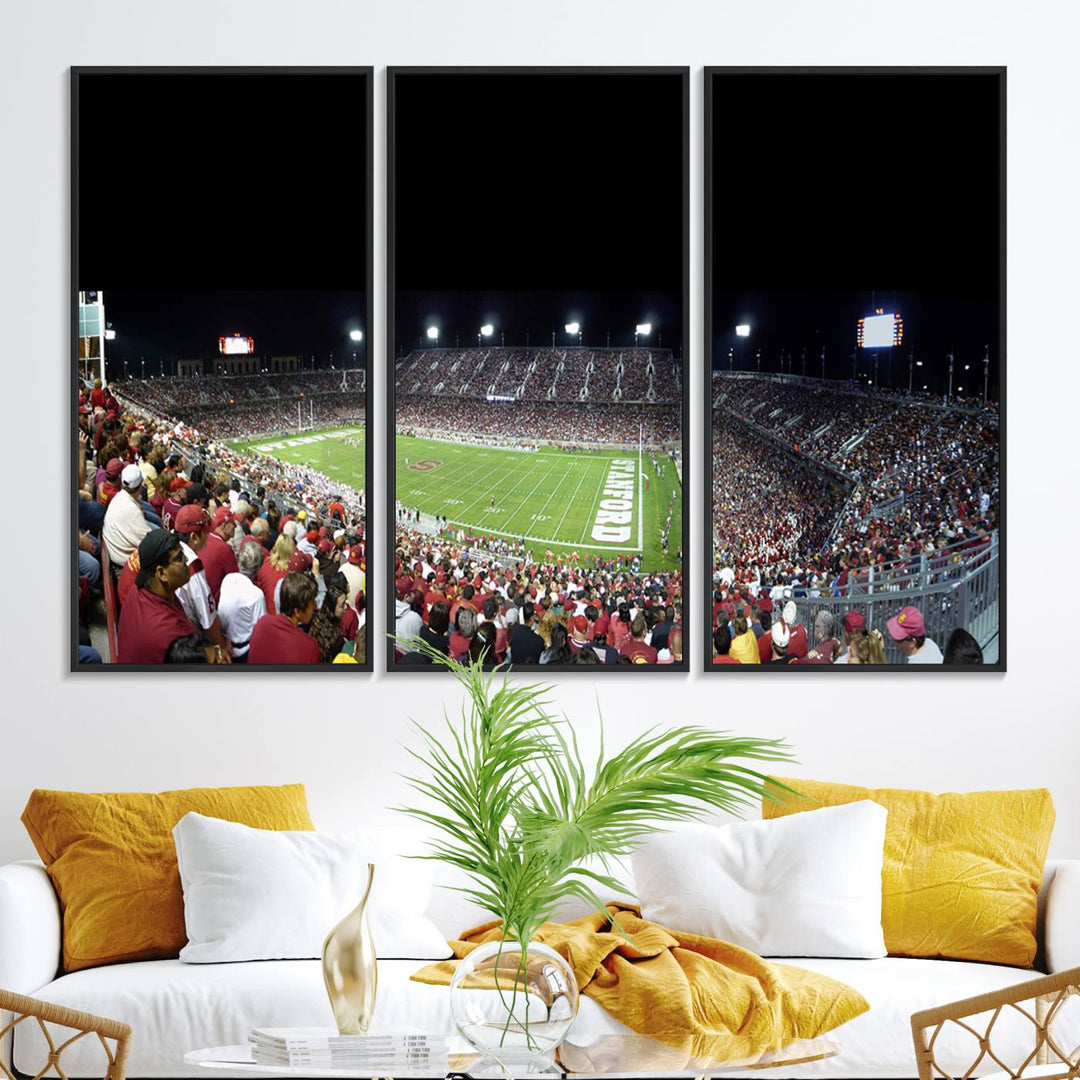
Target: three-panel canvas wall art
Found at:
542, 370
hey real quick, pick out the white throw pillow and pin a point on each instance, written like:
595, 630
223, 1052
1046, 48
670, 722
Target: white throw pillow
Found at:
804, 885
259, 894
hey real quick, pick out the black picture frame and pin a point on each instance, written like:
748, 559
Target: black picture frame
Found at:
708, 346
361, 111
393, 73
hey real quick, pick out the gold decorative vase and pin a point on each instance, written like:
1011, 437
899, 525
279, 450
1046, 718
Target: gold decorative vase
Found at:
348, 962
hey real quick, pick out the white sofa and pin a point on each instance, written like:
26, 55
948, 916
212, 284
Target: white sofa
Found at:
175, 1007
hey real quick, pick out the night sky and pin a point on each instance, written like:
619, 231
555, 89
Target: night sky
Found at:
165, 326
531, 200
210, 180
838, 193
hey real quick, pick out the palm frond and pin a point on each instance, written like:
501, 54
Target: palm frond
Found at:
516, 809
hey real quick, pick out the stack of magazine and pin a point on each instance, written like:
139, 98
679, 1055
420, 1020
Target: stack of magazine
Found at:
323, 1048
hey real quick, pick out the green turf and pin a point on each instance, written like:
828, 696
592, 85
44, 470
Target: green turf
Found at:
324, 450
550, 498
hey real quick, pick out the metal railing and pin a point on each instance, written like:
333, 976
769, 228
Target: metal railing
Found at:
955, 587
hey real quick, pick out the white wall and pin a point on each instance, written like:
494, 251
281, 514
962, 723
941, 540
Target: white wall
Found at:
154, 731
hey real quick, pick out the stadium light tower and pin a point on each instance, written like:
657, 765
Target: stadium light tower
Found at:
573, 328
356, 335
433, 335
986, 373
641, 330
485, 331
742, 332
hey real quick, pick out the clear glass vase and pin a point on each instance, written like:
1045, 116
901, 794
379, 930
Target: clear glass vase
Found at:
513, 1006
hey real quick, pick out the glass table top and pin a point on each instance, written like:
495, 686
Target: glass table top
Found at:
616, 1055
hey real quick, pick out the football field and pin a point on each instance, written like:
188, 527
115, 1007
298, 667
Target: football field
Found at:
606, 502
325, 450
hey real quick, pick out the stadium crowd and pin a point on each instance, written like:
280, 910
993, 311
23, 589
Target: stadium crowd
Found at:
528, 422
915, 497
212, 556
575, 374
763, 627
236, 406
472, 604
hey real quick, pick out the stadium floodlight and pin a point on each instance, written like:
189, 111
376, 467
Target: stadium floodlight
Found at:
433, 333
487, 329
573, 328
742, 330
644, 329
356, 335
110, 335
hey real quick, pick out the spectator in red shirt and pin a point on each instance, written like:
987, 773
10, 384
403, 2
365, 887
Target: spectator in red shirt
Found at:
636, 648
279, 639
98, 396
152, 618
217, 557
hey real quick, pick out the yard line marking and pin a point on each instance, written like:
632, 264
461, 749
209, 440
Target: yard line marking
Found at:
485, 478
541, 539
525, 501
570, 502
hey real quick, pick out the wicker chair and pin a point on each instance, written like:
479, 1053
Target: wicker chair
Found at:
26, 1008
1040, 1002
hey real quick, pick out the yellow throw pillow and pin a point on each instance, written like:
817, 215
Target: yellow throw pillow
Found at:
113, 864
961, 872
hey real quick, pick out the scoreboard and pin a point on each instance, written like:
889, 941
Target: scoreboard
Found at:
880, 331
236, 345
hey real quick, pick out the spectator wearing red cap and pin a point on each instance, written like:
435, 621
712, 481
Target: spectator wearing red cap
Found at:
280, 638
109, 487
908, 630
854, 622
152, 618
192, 525
218, 558
308, 543
125, 524
579, 633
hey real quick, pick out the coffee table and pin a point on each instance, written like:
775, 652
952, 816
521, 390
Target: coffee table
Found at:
627, 1056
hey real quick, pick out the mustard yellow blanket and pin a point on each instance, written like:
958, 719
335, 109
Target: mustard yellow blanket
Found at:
706, 998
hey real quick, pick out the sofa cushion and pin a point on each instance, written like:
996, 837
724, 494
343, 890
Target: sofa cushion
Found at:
961, 872
112, 861
805, 885
175, 1007
271, 894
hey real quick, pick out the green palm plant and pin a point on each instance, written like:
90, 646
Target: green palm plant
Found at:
517, 809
